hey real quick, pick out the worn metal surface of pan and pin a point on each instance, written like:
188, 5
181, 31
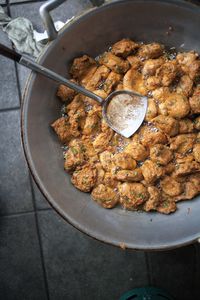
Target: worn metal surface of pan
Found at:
92, 33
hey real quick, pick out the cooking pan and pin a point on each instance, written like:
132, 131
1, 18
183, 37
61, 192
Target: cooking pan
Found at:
173, 23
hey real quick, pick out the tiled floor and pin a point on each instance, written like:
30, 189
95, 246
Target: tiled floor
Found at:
43, 257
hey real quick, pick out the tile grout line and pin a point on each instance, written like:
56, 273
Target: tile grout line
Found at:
148, 267
39, 239
3, 110
21, 213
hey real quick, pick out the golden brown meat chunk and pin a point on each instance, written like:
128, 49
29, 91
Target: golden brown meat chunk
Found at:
197, 123
84, 178
183, 143
64, 93
167, 72
152, 83
105, 196
151, 171
137, 151
161, 94
124, 47
182, 158
114, 63
185, 86
151, 65
167, 205
101, 142
186, 168
134, 61
111, 82
129, 175
152, 110
167, 124
186, 126
177, 105
191, 187
62, 129
195, 101
75, 105
110, 180
81, 66
74, 156
132, 195
92, 123
124, 161
196, 152
194, 71
148, 51
171, 187
77, 121
169, 168
98, 77
189, 63
154, 198
100, 174
186, 58
195, 179
106, 159
161, 154
86, 78
151, 135
133, 81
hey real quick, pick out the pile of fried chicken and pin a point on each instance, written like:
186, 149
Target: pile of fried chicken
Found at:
160, 164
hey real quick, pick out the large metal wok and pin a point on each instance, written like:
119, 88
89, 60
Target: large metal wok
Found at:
92, 33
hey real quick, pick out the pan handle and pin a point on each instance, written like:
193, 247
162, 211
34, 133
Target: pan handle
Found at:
47, 19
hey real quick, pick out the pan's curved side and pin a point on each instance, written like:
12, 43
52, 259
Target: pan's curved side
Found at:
92, 34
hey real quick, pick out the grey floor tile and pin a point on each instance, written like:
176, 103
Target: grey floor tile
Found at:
176, 271
9, 96
21, 275
79, 267
40, 201
197, 246
15, 192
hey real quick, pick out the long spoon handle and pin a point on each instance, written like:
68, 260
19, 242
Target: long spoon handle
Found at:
10, 53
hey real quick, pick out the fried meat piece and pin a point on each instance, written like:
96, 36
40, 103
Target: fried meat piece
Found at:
114, 63
84, 178
124, 47
132, 195
105, 196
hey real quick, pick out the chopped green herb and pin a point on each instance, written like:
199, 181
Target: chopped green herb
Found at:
74, 150
165, 204
198, 140
140, 195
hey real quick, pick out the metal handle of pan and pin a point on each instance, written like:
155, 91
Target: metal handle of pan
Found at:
47, 19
